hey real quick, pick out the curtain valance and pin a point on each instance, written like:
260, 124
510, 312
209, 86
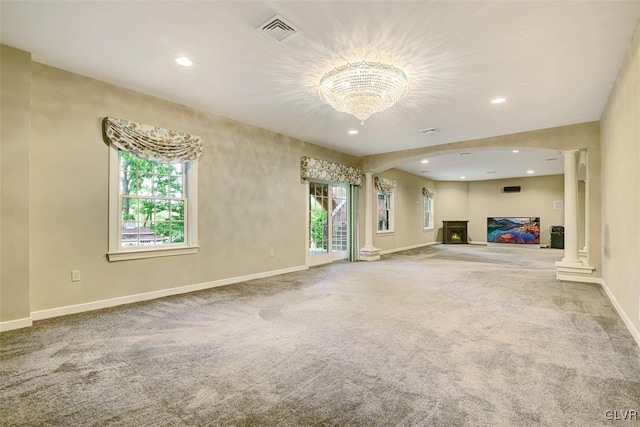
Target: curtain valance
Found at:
386, 186
150, 142
312, 168
428, 192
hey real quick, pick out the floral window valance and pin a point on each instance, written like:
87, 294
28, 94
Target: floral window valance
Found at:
428, 192
386, 186
312, 168
150, 142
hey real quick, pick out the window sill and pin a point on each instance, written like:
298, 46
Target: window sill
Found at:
428, 229
384, 233
150, 253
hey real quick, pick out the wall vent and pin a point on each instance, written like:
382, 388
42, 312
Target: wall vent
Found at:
278, 28
511, 189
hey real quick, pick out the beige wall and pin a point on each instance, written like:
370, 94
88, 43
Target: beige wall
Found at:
408, 208
534, 200
621, 186
451, 203
251, 197
15, 107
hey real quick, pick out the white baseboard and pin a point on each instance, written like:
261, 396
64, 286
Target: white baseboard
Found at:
96, 305
10, 325
632, 328
580, 279
406, 248
478, 243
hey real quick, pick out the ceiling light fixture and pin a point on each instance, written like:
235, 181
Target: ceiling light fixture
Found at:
353, 132
184, 61
463, 177
363, 88
530, 171
498, 100
424, 161
515, 151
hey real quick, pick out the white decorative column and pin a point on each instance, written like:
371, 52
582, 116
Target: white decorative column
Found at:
583, 205
368, 252
571, 208
571, 266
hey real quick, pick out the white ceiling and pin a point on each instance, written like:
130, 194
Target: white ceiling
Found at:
485, 164
554, 61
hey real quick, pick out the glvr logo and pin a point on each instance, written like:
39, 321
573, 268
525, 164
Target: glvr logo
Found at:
628, 415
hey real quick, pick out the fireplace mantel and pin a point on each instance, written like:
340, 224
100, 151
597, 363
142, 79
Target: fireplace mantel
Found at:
454, 232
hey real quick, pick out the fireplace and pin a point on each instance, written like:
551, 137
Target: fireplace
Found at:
454, 232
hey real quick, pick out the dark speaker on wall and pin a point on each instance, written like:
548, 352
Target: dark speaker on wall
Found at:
513, 189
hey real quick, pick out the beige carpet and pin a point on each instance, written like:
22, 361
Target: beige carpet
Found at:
448, 335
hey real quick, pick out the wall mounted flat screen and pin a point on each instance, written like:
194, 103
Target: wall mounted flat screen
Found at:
518, 230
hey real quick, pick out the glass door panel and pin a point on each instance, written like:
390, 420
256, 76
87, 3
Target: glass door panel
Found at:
328, 222
339, 221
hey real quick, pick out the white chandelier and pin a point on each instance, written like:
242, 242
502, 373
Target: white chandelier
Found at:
363, 88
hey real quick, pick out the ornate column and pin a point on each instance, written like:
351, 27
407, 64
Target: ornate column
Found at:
368, 252
571, 256
583, 205
571, 267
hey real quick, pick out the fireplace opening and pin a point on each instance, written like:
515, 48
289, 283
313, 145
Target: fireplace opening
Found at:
454, 232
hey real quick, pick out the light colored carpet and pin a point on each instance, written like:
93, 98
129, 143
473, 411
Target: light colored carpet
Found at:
448, 335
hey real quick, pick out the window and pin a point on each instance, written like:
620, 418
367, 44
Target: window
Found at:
152, 207
385, 212
428, 211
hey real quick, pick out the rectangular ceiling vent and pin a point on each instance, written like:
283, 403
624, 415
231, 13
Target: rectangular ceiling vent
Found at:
278, 28
428, 131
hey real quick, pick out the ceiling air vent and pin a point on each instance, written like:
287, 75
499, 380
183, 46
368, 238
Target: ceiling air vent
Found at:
428, 131
278, 28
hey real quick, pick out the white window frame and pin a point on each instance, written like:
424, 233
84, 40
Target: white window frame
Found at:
116, 252
391, 215
424, 205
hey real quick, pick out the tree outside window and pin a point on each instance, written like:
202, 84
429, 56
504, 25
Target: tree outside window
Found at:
152, 200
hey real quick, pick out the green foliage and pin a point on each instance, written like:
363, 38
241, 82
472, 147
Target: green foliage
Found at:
318, 225
154, 195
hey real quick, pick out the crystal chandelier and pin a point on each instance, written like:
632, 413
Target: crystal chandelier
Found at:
363, 88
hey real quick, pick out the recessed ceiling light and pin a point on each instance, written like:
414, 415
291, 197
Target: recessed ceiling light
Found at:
491, 172
465, 154
463, 177
515, 151
184, 61
498, 100
353, 132
424, 161
530, 171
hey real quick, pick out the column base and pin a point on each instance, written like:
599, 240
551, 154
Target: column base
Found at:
574, 272
369, 254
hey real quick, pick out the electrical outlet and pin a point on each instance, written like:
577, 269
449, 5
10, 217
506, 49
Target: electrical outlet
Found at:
272, 253
75, 275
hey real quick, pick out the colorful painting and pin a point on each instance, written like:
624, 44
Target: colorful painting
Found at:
513, 230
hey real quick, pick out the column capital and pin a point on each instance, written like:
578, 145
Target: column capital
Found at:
570, 153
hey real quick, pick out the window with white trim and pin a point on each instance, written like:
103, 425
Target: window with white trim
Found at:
385, 212
428, 211
152, 207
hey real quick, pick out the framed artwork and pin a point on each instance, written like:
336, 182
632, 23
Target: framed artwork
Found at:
519, 230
